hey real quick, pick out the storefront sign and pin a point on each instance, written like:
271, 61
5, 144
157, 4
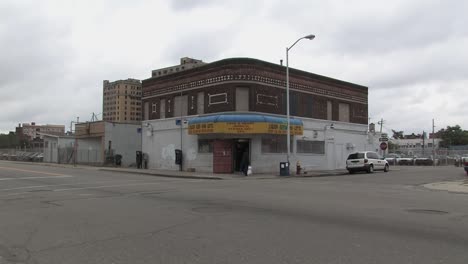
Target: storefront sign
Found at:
244, 128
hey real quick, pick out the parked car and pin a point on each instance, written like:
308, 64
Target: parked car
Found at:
423, 162
406, 161
464, 161
392, 158
366, 161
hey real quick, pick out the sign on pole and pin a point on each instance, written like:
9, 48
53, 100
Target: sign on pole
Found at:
383, 145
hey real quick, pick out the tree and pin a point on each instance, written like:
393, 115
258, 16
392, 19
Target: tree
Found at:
8, 140
453, 136
397, 134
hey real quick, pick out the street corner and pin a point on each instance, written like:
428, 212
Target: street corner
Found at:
460, 186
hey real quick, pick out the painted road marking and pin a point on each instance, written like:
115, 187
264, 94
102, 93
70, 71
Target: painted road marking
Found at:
106, 186
63, 184
29, 178
38, 172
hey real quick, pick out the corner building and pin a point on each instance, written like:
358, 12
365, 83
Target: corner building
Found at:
220, 110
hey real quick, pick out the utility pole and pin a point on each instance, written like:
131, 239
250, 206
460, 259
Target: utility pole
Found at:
381, 122
433, 142
424, 142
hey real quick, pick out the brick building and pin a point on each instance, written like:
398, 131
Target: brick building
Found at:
235, 105
30, 131
121, 101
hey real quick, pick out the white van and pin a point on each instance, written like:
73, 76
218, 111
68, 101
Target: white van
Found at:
366, 161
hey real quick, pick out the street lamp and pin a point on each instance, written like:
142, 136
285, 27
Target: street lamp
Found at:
309, 37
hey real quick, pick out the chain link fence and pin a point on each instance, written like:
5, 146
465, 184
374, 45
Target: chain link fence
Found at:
441, 156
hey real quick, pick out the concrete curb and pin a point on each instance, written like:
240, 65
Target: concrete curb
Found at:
165, 175
460, 186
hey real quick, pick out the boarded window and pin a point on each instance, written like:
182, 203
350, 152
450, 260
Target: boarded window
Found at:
275, 144
311, 147
205, 146
242, 99
329, 110
343, 110
200, 103
180, 106
162, 107
146, 111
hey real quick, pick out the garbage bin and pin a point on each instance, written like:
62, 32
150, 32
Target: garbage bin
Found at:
284, 168
118, 160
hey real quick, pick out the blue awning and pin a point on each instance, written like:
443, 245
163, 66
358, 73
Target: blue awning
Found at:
239, 118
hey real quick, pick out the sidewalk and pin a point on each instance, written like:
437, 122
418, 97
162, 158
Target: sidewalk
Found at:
213, 176
460, 186
192, 175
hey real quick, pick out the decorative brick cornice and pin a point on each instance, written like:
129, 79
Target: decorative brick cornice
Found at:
245, 71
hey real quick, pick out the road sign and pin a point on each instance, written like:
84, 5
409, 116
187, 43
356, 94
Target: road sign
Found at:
383, 139
383, 145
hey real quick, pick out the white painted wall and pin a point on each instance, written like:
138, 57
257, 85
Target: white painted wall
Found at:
125, 139
54, 143
50, 149
89, 151
340, 141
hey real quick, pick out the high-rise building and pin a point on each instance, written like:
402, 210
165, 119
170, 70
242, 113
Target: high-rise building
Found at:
122, 101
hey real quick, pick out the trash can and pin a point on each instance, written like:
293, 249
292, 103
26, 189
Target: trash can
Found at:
284, 168
118, 160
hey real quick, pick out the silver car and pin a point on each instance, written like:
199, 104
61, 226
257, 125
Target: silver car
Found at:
367, 161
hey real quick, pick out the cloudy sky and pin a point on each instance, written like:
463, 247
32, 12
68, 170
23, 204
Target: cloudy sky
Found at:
412, 54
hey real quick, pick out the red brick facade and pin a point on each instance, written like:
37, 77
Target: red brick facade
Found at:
266, 82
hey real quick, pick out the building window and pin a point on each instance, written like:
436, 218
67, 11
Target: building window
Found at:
275, 144
310, 147
205, 146
343, 112
153, 108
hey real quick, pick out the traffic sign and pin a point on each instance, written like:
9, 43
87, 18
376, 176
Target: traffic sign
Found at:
383, 145
383, 139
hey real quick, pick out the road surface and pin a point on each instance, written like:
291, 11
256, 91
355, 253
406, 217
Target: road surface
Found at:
64, 215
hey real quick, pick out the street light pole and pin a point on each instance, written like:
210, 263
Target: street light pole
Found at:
288, 143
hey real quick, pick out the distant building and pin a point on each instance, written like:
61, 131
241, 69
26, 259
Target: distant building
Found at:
32, 131
97, 143
416, 146
186, 63
121, 101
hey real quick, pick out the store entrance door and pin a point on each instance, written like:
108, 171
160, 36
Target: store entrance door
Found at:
222, 156
240, 146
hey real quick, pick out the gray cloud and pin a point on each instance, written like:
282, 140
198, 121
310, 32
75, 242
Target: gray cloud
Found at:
411, 54
184, 5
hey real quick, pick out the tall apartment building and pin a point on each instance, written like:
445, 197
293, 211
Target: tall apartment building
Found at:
122, 101
186, 63
31, 131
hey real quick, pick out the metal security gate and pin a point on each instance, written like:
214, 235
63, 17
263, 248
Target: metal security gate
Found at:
222, 156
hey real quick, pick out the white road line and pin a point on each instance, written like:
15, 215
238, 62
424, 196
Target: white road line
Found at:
63, 184
11, 194
31, 171
39, 177
86, 188
107, 186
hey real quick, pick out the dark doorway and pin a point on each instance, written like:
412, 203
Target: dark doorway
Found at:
240, 146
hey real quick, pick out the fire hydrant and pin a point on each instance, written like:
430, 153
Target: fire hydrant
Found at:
298, 168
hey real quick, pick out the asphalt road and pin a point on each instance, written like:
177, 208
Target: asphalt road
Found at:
63, 215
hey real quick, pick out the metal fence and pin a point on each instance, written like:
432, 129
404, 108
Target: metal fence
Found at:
442, 156
35, 155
